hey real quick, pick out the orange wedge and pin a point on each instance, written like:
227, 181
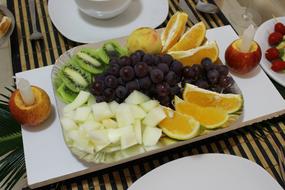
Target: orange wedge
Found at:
191, 39
209, 117
229, 102
179, 126
196, 55
173, 30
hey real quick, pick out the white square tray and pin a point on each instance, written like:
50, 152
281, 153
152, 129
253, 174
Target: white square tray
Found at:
49, 160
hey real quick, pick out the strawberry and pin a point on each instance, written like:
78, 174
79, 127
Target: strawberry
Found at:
278, 65
279, 27
272, 53
275, 38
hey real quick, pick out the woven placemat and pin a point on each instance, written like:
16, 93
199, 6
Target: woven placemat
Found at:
257, 142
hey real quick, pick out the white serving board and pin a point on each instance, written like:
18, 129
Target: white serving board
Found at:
49, 160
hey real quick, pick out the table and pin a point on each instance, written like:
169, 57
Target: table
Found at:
257, 142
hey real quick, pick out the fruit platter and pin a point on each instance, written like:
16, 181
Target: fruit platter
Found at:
150, 91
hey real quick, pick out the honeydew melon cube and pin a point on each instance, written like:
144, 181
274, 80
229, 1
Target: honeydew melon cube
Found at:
90, 117
81, 99
137, 112
124, 115
82, 113
114, 135
114, 106
68, 124
133, 151
128, 137
109, 123
91, 100
149, 105
151, 135
136, 97
90, 125
154, 117
81, 141
69, 114
101, 111
138, 131
100, 138
112, 148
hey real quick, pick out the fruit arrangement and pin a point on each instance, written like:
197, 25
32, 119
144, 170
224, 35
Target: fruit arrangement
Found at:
276, 53
121, 102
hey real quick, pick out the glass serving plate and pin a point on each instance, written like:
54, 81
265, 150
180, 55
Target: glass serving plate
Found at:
228, 126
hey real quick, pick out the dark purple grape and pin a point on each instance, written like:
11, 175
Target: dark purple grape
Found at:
100, 99
165, 101
166, 58
162, 89
189, 81
121, 81
124, 61
108, 92
121, 92
114, 70
145, 83
141, 69
111, 81
171, 78
216, 89
148, 59
135, 58
156, 59
156, 75
223, 70
139, 53
225, 81
99, 77
213, 76
127, 73
175, 90
114, 61
188, 72
97, 87
177, 67
202, 84
198, 69
118, 100
132, 85
163, 67
207, 64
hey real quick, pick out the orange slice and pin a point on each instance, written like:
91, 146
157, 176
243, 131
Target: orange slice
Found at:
196, 55
229, 102
191, 39
173, 30
209, 117
179, 126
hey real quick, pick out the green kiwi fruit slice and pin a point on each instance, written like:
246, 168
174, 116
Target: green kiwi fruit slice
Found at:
114, 49
65, 94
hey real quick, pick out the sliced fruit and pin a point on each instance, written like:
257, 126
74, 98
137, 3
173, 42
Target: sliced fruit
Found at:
65, 94
136, 97
101, 111
191, 39
174, 30
196, 55
81, 99
87, 60
209, 117
113, 49
229, 102
179, 126
151, 136
154, 117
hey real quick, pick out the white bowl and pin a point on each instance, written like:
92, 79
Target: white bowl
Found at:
103, 9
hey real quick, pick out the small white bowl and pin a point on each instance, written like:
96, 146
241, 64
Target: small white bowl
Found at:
103, 9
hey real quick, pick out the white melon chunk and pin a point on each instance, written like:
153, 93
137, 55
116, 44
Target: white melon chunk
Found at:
91, 100
149, 105
124, 115
136, 97
138, 131
114, 106
109, 123
114, 135
133, 151
81, 99
154, 117
99, 138
81, 141
68, 124
151, 136
137, 112
69, 114
101, 111
90, 125
128, 137
82, 113
112, 148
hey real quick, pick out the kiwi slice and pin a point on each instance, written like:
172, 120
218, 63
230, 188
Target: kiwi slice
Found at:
102, 55
65, 94
114, 49
74, 78
87, 59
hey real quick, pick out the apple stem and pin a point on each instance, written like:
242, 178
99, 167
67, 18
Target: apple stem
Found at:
26, 91
247, 38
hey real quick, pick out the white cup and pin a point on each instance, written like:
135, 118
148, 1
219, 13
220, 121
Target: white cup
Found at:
103, 9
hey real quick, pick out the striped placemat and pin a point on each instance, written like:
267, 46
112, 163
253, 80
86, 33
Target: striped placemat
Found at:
258, 142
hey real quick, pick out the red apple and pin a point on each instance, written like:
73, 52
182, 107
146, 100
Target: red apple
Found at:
242, 62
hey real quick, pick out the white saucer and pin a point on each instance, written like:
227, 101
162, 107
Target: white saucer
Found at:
208, 171
78, 27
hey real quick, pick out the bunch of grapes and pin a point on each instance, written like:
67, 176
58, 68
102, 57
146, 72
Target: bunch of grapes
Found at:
208, 75
157, 76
